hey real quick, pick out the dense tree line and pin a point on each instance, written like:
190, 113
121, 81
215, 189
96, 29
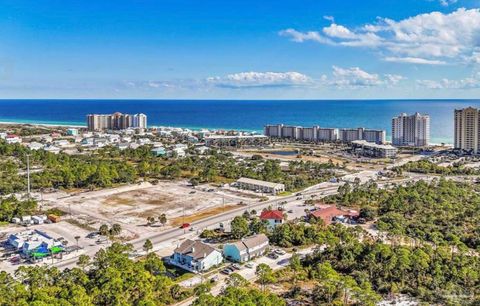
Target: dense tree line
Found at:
111, 278
12, 207
434, 275
428, 167
110, 166
442, 212
240, 296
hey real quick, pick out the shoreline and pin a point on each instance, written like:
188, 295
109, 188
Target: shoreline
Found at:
42, 124
196, 129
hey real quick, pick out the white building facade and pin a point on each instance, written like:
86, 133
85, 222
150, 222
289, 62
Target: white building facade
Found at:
411, 130
467, 125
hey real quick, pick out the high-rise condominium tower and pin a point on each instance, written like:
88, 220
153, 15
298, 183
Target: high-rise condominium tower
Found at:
116, 121
411, 130
467, 129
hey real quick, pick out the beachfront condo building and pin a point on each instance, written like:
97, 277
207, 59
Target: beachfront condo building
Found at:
318, 134
411, 130
466, 122
375, 136
116, 121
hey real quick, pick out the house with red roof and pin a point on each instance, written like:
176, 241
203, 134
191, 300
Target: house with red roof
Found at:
12, 138
332, 213
274, 217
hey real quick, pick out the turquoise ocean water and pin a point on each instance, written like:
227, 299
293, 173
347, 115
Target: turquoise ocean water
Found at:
242, 114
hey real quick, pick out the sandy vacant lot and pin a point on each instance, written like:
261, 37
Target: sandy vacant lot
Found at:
131, 205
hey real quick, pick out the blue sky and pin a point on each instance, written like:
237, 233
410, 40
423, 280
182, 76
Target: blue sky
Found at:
240, 49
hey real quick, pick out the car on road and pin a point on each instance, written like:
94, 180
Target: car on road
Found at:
273, 256
280, 252
185, 225
249, 265
283, 262
93, 235
225, 271
236, 266
290, 211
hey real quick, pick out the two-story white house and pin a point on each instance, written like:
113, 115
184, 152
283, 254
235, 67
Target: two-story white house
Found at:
274, 217
11, 139
246, 249
196, 256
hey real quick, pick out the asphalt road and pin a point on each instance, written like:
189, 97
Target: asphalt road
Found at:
171, 236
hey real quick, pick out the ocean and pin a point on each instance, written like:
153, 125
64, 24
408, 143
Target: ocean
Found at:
247, 115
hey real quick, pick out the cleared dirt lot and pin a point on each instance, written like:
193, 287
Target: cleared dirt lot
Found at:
166, 197
131, 205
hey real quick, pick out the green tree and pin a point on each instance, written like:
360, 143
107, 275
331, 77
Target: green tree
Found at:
83, 261
239, 227
163, 219
103, 230
265, 275
148, 245
116, 229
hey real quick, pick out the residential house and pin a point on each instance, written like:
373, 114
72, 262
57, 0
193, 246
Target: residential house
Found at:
202, 149
159, 151
246, 249
11, 139
52, 149
274, 217
123, 146
61, 143
72, 132
35, 146
196, 256
331, 213
144, 141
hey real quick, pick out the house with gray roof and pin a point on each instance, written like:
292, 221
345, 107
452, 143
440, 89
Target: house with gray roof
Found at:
196, 256
246, 249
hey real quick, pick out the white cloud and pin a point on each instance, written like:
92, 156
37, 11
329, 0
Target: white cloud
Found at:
413, 60
261, 79
355, 77
297, 36
447, 2
394, 79
466, 83
338, 31
431, 38
329, 18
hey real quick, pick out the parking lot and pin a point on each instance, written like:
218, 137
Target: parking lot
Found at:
66, 240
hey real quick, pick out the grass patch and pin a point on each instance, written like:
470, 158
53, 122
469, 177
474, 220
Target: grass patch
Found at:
81, 225
177, 274
55, 211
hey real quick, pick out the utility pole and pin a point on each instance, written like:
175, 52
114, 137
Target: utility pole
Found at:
183, 222
28, 175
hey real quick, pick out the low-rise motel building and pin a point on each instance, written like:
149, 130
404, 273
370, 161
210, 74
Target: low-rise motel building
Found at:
259, 186
371, 149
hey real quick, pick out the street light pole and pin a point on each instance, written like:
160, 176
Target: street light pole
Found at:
28, 175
